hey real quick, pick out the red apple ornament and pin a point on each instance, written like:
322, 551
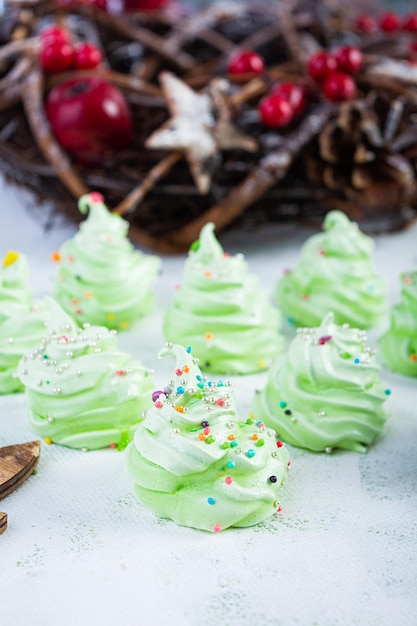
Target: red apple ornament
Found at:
90, 118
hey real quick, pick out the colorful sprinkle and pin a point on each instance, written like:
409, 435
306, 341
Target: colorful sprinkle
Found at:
120, 372
279, 444
288, 412
188, 349
356, 360
233, 444
155, 395
159, 404
180, 389
179, 408
113, 446
202, 437
323, 340
206, 430
88, 295
413, 358
228, 480
178, 372
272, 479
387, 392
282, 404
208, 336
220, 402
217, 528
231, 437
204, 424
56, 257
345, 355
255, 437
211, 500
186, 369
225, 445
210, 439
48, 441
231, 464
111, 316
260, 443
250, 453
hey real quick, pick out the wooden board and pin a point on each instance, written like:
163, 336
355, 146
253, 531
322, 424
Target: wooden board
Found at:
17, 463
3, 522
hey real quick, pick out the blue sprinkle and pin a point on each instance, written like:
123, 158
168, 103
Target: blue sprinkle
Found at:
387, 392
200, 385
356, 360
291, 320
211, 500
259, 423
231, 464
180, 389
210, 384
198, 377
220, 383
250, 453
188, 349
233, 443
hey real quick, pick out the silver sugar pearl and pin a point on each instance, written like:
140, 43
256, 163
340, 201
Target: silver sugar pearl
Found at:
84, 449
69, 354
51, 419
176, 431
23, 372
321, 413
57, 390
230, 424
97, 350
168, 345
10, 340
328, 450
59, 370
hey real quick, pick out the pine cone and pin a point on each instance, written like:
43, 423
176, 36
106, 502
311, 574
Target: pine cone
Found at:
368, 153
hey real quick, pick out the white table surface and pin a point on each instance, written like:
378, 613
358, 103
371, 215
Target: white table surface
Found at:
80, 550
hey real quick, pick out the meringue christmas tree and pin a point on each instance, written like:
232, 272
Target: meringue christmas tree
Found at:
101, 278
326, 392
83, 392
222, 312
194, 461
22, 320
398, 345
335, 273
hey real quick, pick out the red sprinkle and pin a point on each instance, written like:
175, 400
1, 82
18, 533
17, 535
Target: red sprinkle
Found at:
228, 480
279, 444
120, 372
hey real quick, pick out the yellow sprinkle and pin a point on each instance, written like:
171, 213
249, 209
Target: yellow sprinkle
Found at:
208, 336
110, 316
88, 295
10, 258
262, 364
48, 440
124, 324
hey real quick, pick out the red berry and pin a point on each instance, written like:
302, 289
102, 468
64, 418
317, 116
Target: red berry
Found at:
410, 23
293, 93
56, 55
338, 87
320, 64
366, 24
245, 62
87, 56
89, 117
54, 33
348, 59
143, 5
275, 111
389, 22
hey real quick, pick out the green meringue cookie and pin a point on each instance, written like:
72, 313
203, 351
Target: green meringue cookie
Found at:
398, 345
22, 321
335, 273
193, 461
82, 391
326, 392
102, 279
222, 312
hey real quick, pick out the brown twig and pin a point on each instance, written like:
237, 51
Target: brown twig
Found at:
33, 103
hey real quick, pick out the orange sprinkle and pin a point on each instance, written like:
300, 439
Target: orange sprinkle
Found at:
186, 369
75, 301
56, 257
207, 274
179, 408
208, 336
255, 437
88, 295
201, 436
231, 437
413, 357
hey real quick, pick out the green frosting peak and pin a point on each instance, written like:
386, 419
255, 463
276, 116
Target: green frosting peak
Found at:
222, 312
101, 278
398, 345
334, 273
83, 392
326, 392
194, 461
